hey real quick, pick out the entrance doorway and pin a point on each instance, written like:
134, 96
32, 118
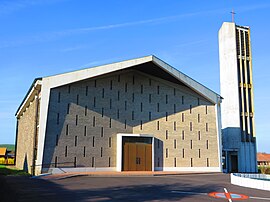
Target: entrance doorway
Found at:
234, 163
137, 154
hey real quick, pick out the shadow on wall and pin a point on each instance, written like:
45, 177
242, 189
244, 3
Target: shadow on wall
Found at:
25, 164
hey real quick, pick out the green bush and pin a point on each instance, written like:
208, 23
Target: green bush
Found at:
264, 169
4, 170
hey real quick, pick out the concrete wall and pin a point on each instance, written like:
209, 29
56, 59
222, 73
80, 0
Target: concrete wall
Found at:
120, 103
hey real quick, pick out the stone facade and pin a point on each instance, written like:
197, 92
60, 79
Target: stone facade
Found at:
26, 137
85, 117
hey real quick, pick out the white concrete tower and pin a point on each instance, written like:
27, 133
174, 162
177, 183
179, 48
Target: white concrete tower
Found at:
236, 86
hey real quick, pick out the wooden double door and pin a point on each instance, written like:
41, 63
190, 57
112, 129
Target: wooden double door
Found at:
137, 156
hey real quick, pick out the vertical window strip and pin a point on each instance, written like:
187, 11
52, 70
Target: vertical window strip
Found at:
118, 114
166, 99
183, 153
55, 162
94, 101
133, 79
183, 100
85, 110
174, 125
183, 135
67, 132
166, 116
150, 116
174, 162
110, 103
199, 118
76, 140
198, 101
191, 162
109, 161
167, 153
125, 124
157, 125
141, 125
84, 151
150, 98
125, 105
101, 152
56, 140
111, 84
166, 134
86, 91
206, 110
66, 151
183, 117
110, 142
76, 120
103, 92
190, 126
102, 112
174, 93
110, 124
191, 144
77, 101
57, 119
157, 107
85, 130
95, 83
133, 97
174, 143
207, 162
93, 161
141, 106
190, 109
68, 88
118, 95
101, 131
174, 108
199, 135
207, 144
94, 121
206, 127
199, 153
158, 90
93, 141
75, 162
68, 108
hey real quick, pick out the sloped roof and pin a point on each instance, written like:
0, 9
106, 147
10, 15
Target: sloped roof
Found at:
3, 151
148, 64
263, 157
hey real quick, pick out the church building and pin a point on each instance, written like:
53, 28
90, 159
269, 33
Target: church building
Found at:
135, 115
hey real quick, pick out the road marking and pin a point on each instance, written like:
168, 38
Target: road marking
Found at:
228, 195
260, 198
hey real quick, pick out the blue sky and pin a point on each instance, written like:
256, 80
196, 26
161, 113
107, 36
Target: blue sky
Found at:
45, 37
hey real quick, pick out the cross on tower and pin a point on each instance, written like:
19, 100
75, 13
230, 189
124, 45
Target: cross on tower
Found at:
233, 13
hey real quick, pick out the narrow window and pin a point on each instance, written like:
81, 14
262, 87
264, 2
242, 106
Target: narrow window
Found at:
174, 144
133, 97
132, 115
110, 103
174, 125
141, 89
94, 121
150, 116
157, 107
199, 118
56, 140
191, 145
125, 87
57, 120
166, 116
102, 112
166, 99
111, 85
67, 129
183, 153
167, 153
150, 82
174, 162
141, 106
207, 144
118, 78
59, 96
183, 100
183, 134
166, 134
150, 98
76, 140
206, 127
68, 107
109, 161
85, 130
157, 125
199, 135
158, 90
190, 109
174, 108
199, 154
75, 162
118, 113
133, 79
198, 101
76, 120
174, 92
66, 151
77, 101
93, 161
190, 126
85, 110
110, 142
141, 125
101, 131
103, 92
94, 101
55, 162
206, 110
125, 105
101, 152
125, 124
84, 151
69, 89
191, 162
158, 143
207, 162
118, 95
93, 142
110, 125
86, 91
95, 83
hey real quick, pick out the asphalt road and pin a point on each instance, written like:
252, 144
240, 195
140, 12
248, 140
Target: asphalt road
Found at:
187, 188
